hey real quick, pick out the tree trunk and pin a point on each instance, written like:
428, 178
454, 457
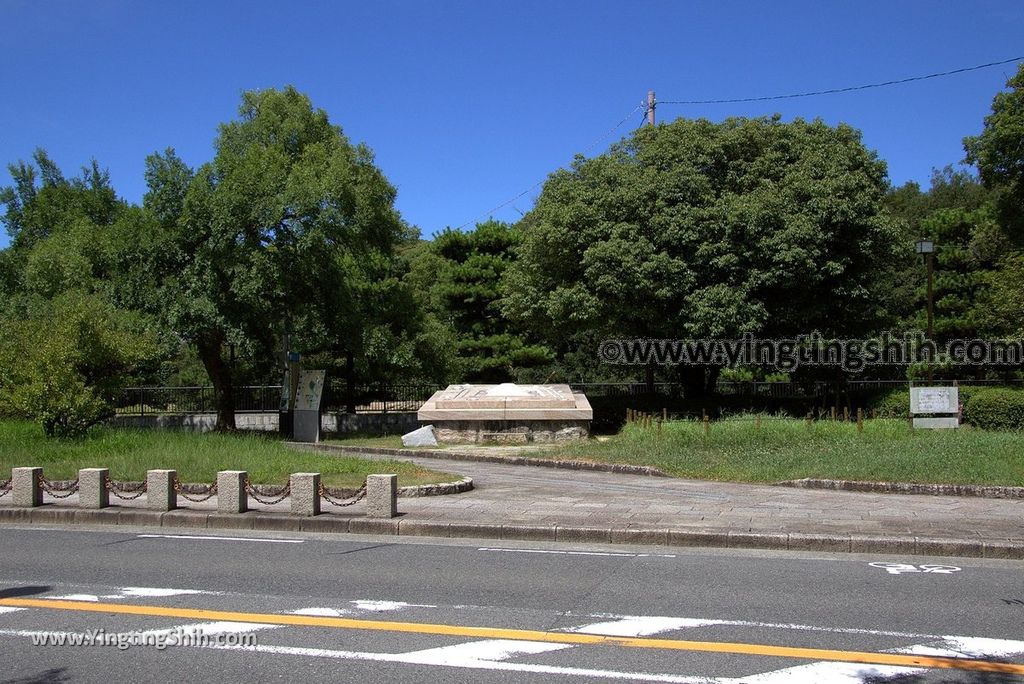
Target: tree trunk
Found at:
350, 382
209, 347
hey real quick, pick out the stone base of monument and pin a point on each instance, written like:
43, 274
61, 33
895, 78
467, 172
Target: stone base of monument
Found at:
507, 414
510, 432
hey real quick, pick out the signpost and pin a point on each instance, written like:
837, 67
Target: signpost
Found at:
307, 405
939, 407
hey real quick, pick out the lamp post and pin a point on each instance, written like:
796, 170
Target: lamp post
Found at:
927, 248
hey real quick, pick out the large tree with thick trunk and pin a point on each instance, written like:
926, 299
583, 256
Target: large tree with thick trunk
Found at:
278, 234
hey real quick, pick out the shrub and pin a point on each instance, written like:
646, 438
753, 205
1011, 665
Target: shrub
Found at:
996, 409
894, 403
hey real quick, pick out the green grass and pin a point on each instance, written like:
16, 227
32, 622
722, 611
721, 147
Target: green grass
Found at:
786, 449
197, 458
387, 441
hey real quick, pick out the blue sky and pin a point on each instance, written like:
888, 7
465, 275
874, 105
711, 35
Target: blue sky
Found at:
467, 104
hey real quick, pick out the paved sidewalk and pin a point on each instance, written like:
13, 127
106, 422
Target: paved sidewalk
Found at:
528, 502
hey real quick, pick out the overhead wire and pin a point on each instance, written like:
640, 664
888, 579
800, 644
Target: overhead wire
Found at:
541, 182
644, 108
847, 89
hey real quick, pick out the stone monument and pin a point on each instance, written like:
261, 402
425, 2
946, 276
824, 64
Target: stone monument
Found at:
507, 413
306, 426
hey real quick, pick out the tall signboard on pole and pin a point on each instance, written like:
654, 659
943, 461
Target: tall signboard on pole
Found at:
307, 405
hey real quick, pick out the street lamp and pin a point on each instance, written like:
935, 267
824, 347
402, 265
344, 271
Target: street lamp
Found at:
927, 248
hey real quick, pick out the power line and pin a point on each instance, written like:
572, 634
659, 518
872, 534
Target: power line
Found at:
541, 182
832, 91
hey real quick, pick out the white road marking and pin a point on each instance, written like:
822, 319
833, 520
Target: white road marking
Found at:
967, 647
8, 609
832, 673
853, 673
321, 612
210, 628
385, 606
688, 623
132, 592
488, 650
207, 538
901, 568
640, 625
162, 592
582, 553
474, 665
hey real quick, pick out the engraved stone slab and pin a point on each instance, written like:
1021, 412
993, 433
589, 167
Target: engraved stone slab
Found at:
505, 395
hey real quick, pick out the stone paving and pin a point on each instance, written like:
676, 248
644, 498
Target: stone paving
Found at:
533, 495
521, 501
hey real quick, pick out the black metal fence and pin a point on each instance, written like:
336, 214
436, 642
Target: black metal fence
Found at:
142, 401
395, 397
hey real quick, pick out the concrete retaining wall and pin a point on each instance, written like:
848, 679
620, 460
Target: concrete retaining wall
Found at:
343, 423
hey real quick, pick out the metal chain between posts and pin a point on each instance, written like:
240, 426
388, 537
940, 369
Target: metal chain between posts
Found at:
274, 498
5, 487
211, 490
126, 493
358, 496
58, 492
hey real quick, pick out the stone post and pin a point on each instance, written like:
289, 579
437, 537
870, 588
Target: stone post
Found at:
381, 496
160, 494
305, 493
231, 496
92, 488
25, 486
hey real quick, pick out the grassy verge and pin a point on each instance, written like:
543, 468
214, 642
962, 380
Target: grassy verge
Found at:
197, 458
785, 449
388, 441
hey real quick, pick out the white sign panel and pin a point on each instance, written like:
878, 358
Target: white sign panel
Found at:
311, 388
934, 400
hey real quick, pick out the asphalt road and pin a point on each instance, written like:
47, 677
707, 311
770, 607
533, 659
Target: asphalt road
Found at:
339, 608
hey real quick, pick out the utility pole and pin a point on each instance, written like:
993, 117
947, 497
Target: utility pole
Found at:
651, 104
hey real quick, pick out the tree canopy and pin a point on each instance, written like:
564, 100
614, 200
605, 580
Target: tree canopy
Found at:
284, 232
704, 230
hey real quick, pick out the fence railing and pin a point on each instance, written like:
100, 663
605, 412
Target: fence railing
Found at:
141, 401
393, 397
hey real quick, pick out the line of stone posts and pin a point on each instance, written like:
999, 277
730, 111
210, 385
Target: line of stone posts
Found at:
232, 497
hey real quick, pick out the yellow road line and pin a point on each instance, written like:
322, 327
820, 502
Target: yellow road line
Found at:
523, 635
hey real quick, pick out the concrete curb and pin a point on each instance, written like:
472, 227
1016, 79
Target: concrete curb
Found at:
435, 489
283, 522
983, 491
494, 458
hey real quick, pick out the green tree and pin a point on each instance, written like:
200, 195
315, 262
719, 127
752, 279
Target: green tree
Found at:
704, 230
62, 365
459, 275
284, 231
65, 346
1001, 304
998, 152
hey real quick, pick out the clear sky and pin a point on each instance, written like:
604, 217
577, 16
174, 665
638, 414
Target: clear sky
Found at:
469, 103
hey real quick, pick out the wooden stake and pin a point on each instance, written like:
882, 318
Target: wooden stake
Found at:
860, 420
707, 424
758, 424
809, 418
846, 414
664, 414
833, 412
